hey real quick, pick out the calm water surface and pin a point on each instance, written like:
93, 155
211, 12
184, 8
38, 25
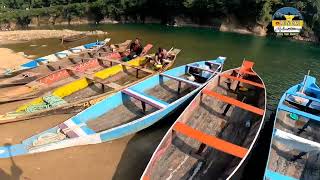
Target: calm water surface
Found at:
280, 62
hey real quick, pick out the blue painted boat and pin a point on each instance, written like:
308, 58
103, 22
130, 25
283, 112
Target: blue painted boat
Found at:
52, 58
295, 145
123, 113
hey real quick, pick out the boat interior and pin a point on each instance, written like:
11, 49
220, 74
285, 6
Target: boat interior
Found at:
61, 77
142, 99
215, 132
108, 80
86, 57
297, 119
147, 97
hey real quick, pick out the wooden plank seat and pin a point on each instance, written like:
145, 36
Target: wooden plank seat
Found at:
212, 141
74, 130
202, 69
181, 80
127, 64
298, 112
246, 72
234, 102
113, 85
296, 142
243, 80
214, 63
304, 96
157, 103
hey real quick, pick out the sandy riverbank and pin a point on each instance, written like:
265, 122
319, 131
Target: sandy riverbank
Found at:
87, 162
9, 58
121, 159
7, 37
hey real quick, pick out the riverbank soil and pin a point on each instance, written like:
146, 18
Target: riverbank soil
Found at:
10, 59
86, 162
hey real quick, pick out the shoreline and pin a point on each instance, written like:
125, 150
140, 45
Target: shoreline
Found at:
19, 36
10, 58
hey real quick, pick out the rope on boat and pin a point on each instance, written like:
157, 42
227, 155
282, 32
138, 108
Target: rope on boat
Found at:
48, 138
49, 101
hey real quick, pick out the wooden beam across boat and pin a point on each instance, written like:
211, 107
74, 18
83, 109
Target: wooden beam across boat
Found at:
127, 64
234, 102
212, 141
157, 103
181, 80
242, 80
202, 69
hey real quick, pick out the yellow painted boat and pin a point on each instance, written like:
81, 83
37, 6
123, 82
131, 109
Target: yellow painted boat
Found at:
86, 91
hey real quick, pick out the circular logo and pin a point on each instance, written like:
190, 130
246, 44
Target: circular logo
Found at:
287, 21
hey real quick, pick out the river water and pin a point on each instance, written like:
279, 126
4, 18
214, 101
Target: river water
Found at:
280, 62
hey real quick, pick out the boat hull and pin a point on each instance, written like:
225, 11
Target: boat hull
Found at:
50, 58
295, 143
186, 152
87, 134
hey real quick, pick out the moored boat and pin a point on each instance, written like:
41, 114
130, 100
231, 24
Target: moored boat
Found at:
295, 145
215, 134
112, 51
86, 91
125, 112
73, 37
9, 72
58, 78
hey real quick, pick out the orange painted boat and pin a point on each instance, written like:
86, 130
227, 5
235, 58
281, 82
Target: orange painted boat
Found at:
214, 136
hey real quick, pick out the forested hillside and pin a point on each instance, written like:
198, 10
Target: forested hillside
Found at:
247, 12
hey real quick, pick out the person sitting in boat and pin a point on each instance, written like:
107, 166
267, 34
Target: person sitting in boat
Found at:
135, 50
162, 57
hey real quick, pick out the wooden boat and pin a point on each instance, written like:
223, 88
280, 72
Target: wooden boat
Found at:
35, 73
73, 38
123, 113
295, 145
52, 58
57, 78
82, 93
215, 134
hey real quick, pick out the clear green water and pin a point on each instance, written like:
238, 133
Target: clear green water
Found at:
280, 62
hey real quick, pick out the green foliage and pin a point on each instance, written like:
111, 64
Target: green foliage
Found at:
247, 11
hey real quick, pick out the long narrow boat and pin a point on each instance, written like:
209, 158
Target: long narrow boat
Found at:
52, 58
124, 113
82, 93
58, 78
78, 58
73, 37
215, 134
295, 146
